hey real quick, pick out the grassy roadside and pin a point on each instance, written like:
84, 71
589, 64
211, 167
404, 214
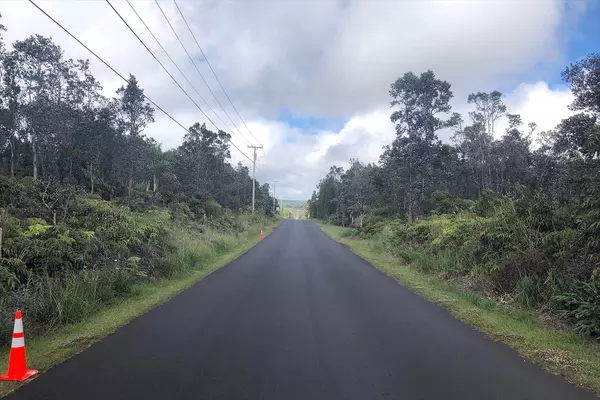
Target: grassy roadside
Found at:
560, 352
45, 352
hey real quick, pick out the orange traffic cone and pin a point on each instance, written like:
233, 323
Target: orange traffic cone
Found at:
17, 363
261, 234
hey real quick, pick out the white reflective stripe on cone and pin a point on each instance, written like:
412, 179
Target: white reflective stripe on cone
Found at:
18, 326
18, 342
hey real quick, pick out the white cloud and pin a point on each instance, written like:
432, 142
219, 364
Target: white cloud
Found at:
329, 58
536, 102
298, 165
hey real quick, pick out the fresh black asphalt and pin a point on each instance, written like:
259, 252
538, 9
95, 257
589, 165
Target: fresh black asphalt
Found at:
299, 316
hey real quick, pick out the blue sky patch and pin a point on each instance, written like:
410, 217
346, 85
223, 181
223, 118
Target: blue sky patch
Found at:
580, 37
585, 38
310, 125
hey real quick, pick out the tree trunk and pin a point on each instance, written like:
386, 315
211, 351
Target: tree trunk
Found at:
147, 186
497, 181
2, 223
482, 177
155, 183
12, 158
410, 194
35, 158
53, 217
130, 184
92, 177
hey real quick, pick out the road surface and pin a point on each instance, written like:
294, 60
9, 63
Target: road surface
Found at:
298, 317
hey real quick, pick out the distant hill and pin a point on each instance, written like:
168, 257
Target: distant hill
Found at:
293, 203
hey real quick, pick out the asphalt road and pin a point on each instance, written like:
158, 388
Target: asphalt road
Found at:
298, 317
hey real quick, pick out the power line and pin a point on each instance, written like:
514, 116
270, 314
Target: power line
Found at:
197, 70
171, 76
108, 65
214, 73
175, 64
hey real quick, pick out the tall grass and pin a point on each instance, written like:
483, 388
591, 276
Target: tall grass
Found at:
74, 296
511, 254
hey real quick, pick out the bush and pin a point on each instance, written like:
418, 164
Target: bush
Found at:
559, 245
442, 202
487, 203
99, 253
346, 232
581, 305
51, 302
384, 240
529, 290
516, 267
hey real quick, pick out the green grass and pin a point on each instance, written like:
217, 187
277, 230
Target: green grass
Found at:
559, 351
45, 352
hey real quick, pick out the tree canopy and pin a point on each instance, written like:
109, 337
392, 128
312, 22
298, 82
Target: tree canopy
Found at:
418, 175
56, 126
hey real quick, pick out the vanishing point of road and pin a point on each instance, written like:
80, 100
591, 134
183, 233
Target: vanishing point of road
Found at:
299, 316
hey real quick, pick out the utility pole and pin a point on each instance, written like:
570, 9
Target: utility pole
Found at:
254, 173
274, 198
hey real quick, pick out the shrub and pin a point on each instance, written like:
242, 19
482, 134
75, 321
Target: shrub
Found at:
559, 245
581, 305
384, 240
516, 267
346, 232
487, 203
51, 302
529, 290
442, 202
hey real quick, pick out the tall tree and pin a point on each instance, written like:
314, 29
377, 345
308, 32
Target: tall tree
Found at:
134, 115
420, 102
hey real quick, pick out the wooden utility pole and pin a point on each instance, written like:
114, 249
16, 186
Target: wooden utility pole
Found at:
254, 173
274, 198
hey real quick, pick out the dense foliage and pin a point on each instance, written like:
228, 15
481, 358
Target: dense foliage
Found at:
90, 206
522, 221
55, 126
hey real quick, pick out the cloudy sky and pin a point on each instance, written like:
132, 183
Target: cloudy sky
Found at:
310, 77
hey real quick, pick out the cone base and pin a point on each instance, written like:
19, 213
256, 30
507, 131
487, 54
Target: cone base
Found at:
28, 374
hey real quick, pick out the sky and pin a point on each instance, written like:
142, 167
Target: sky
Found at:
310, 78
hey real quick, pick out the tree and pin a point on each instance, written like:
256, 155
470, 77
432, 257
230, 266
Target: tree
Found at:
475, 141
57, 127
419, 102
583, 78
134, 115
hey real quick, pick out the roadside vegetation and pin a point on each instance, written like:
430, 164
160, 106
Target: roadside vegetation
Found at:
95, 215
505, 222
99, 254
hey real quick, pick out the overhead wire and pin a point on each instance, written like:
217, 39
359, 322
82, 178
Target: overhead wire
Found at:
175, 64
197, 69
107, 64
214, 73
171, 76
